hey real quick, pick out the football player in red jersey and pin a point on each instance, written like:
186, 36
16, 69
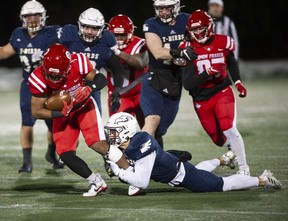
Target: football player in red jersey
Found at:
61, 71
133, 53
208, 83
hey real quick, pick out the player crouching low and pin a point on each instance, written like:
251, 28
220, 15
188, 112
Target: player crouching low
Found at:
150, 161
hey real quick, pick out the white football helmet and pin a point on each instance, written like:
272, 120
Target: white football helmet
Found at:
31, 8
91, 18
175, 4
121, 127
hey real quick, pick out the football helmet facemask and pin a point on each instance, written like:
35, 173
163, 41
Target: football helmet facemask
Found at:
33, 8
122, 25
200, 26
120, 128
173, 5
56, 65
91, 18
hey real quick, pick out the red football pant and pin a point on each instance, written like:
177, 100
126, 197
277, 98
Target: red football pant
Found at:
86, 119
217, 114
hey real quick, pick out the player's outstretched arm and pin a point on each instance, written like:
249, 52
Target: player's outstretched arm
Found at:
6, 51
137, 61
140, 174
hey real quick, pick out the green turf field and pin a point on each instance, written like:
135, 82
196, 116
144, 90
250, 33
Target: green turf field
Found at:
57, 195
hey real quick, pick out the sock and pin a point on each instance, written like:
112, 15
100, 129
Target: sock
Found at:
27, 153
208, 165
51, 150
94, 178
237, 146
238, 182
76, 164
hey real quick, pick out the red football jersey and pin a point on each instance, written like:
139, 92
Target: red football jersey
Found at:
136, 46
80, 67
213, 53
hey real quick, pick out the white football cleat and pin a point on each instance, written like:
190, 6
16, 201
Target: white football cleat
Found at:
96, 188
244, 172
270, 180
229, 159
133, 190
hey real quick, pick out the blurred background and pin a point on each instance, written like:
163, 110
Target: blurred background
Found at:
261, 25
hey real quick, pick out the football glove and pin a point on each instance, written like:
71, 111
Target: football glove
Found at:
187, 53
67, 107
81, 94
115, 50
115, 100
241, 89
115, 168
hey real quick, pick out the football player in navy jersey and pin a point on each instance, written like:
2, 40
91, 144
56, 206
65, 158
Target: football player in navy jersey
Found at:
29, 42
208, 82
92, 39
149, 161
161, 87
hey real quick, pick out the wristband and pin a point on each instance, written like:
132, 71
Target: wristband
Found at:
237, 82
56, 114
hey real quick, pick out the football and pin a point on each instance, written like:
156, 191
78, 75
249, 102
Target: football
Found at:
55, 101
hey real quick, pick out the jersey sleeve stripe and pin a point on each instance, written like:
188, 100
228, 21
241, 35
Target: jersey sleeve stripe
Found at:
230, 44
40, 86
136, 49
83, 65
187, 44
227, 43
80, 63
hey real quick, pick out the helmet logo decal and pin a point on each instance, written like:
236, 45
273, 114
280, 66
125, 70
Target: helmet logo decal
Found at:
55, 70
196, 24
119, 30
121, 119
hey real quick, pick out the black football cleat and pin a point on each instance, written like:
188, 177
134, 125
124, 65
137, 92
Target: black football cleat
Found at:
56, 164
25, 169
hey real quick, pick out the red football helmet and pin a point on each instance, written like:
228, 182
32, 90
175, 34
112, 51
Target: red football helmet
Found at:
123, 28
56, 65
200, 26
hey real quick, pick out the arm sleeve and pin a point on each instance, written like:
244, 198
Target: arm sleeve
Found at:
117, 69
235, 38
140, 175
189, 79
233, 67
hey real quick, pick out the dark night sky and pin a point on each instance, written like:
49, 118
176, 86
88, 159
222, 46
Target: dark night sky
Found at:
262, 26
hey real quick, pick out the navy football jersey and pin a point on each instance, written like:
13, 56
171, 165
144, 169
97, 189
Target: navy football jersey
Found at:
165, 165
171, 36
30, 50
97, 53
